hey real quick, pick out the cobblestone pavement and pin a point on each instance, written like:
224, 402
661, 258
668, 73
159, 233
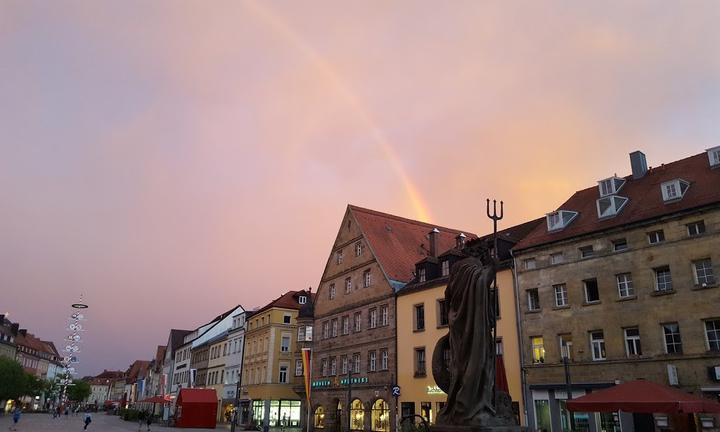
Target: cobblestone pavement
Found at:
101, 423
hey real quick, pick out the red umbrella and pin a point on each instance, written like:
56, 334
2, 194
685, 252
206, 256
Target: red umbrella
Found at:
643, 397
157, 399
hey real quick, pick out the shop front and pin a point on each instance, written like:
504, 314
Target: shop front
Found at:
284, 414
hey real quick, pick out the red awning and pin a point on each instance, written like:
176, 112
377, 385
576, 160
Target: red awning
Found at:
157, 399
194, 395
643, 397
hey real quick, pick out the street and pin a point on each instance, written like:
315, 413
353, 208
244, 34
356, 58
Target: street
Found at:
100, 422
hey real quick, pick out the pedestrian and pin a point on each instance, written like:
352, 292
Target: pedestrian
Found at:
141, 417
148, 421
67, 412
16, 418
88, 419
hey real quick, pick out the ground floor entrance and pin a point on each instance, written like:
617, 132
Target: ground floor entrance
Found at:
367, 410
270, 414
547, 412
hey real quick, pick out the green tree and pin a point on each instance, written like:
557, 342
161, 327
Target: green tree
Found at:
35, 386
79, 391
13, 379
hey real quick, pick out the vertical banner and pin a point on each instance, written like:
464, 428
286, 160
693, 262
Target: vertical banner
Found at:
307, 368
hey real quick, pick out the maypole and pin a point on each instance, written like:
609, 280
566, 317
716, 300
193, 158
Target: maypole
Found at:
72, 346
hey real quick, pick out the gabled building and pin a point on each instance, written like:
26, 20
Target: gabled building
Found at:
8, 333
372, 258
622, 280
167, 383
269, 374
234, 365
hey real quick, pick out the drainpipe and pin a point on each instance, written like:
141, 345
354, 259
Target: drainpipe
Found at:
523, 380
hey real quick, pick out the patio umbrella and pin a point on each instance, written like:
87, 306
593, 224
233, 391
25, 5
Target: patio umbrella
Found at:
157, 399
643, 397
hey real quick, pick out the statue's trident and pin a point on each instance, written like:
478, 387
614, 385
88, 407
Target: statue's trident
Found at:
494, 292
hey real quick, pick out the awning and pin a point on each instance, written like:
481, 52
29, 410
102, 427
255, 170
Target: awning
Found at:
643, 397
157, 399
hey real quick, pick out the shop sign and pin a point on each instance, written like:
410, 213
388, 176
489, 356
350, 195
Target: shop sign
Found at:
433, 390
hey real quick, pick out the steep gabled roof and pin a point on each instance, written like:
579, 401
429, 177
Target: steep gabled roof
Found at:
645, 200
289, 300
176, 339
398, 243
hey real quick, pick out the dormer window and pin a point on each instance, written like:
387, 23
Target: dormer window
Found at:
445, 267
674, 189
560, 219
714, 156
422, 276
610, 206
302, 299
610, 186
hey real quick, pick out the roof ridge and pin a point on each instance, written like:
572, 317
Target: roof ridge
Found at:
404, 219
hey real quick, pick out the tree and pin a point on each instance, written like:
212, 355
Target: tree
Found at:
35, 386
79, 391
13, 379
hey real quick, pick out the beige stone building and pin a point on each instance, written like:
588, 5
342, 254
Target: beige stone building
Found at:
623, 278
373, 256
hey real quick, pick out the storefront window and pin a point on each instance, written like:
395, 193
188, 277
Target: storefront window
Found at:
319, 417
357, 415
582, 422
542, 415
426, 411
258, 408
609, 422
284, 413
380, 416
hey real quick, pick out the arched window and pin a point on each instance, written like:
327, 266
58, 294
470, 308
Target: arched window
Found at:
319, 417
357, 415
380, 416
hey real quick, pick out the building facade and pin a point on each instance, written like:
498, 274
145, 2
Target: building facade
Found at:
354, 347
622, 281
218, 351
234, 364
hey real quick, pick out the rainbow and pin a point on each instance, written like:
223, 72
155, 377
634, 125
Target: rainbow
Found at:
283, 29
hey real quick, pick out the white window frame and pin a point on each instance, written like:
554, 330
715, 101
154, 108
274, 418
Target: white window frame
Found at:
283, 372
348, 285
367, 279
356, 363
565, 346
302, 299
422, 274
666, 285
633, 347
339, 257
598, 343
298, 367
618, 242
557, 258
285, 347
334, 327
532, 304
384, 315
656, 237
384, 359
714, 343
372, 318
445, 267
332, 291
707, 278
676, 338
614, 208
358, 249
625, 285
714, 156
558, 220
561, 295
672, 190
537, 350
344, 364
346, 325
585, 291
610, 185
333, 366
587, 251
698, 226
372, 362
357, 322
529, 264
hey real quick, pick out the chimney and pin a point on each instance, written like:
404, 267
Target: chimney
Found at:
638, 164
460, 241
433, 242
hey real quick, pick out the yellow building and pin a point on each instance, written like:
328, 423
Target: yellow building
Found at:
269, 372
422, 320
217, 352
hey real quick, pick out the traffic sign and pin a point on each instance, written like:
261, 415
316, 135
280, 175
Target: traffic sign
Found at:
396, 391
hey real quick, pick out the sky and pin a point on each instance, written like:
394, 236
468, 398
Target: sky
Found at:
167, 160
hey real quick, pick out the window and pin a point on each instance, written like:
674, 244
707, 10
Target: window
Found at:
348, 285
592, 293
298, 368
625, 285
557, 258
339, 257
703, 272
538, 349
420, 361
499, 350
326, 330
442, 312
283, 375
419, 317
597, 345
324, 367
286, 318
445, 267
380, 416
559, 219
384, 315
712, 333
332, 291
533, 299
529, 263
356, 363
696, 228
372, 361
422, 277
334, 327
372, 318
302, 299
357, 415
610, 186
345, 325
358, 249
620, 245
285, 344
610, 206
566, 346
383, 359
586, 251
674, 189
343, 365
319, 419
663, 279
673, 341
367, 280
632, 342
714, 156
561, 295
656, 237
357, 323
301, 334
333, 366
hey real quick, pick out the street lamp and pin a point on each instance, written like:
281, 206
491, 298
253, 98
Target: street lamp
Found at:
568, 384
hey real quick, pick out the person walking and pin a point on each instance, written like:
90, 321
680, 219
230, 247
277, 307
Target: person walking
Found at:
148, 421
88, 419
16, 418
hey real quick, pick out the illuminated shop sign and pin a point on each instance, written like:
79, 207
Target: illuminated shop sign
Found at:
342, 382
434, 390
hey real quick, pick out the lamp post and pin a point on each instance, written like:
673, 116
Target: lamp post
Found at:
238, 385
568, 384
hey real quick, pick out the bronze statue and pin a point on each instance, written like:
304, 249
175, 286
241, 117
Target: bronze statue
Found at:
469, 378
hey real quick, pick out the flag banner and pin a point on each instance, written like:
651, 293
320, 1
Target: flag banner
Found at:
307, 368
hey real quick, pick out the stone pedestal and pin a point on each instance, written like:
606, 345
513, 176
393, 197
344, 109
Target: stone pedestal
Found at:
503, 420
459, 428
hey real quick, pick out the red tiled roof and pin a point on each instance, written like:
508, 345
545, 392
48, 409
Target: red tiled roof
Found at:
289, 300
645, 200
138, 369
398, 243
160, 354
